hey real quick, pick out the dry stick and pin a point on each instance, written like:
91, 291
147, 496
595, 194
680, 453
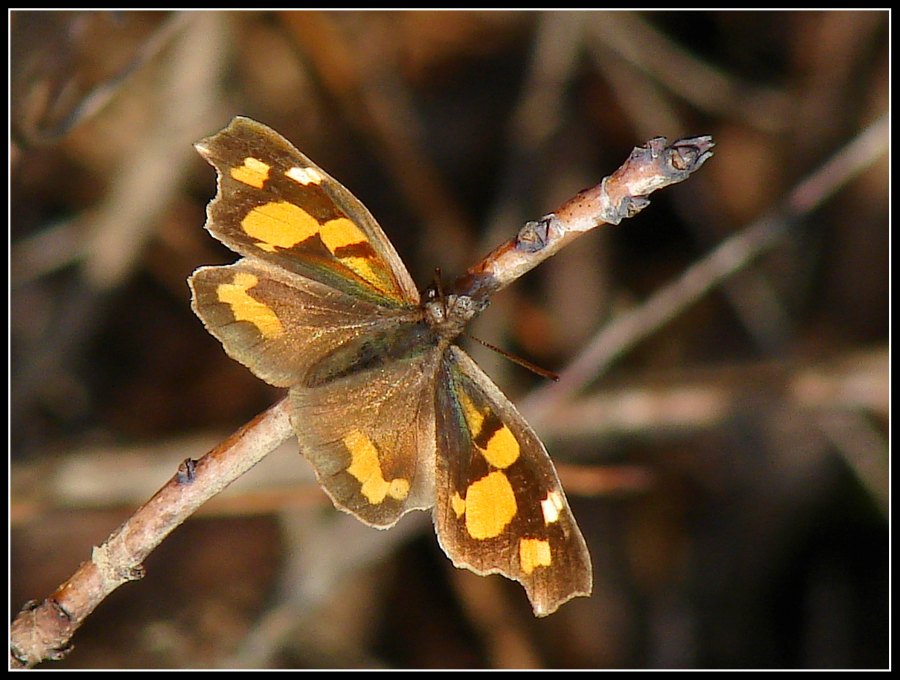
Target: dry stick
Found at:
623, 194
728, 258
42, 630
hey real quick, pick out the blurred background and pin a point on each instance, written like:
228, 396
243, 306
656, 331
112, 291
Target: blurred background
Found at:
723, 438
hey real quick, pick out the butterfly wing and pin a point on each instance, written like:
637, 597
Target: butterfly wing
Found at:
322, 304
369, 435
288, 329
500, 507
275, 204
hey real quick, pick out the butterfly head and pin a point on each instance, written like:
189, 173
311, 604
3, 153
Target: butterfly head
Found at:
449, 314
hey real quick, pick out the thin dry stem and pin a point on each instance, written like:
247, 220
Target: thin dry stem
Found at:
42, 630
727, 259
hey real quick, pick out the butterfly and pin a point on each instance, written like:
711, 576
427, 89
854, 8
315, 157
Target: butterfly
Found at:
392, 415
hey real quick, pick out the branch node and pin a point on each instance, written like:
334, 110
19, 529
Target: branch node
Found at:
187, 471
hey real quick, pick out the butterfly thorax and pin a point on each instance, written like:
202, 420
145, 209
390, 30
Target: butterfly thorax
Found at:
448, 315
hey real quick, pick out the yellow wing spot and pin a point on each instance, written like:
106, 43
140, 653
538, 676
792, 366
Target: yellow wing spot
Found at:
246, 308
279, 224
366, 468
282, 224
342, 232
502, 449
473, 416
399, 488
458, 503
490, 506
253, 172
551, 507
534, 553
305, 176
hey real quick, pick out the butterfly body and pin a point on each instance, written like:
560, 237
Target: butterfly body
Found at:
392, 415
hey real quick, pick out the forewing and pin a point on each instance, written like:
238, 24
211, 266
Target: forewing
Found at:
274, 203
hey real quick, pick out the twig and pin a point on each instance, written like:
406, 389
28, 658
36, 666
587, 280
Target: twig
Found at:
728, 258
623, 194
698, 401
42, 630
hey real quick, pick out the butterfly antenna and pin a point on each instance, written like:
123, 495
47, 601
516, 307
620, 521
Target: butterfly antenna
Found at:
439, 289
524, 363
438, 285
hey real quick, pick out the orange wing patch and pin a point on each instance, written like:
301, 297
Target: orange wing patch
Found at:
247, 308
366, 468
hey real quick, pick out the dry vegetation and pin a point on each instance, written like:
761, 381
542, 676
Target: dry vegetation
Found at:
723, 437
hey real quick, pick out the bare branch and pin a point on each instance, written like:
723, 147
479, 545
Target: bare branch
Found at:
43, 630
729, 257
623, 194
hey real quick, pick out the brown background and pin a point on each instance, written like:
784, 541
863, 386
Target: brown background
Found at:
729, 471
